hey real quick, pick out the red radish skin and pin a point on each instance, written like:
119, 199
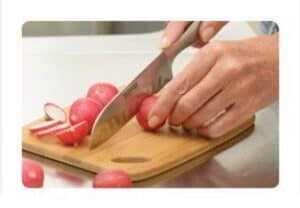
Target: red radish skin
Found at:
142, 115
112, 179
52, 130
85, 109
80, 131
32, 174
102, 92
44, 125
66, 137
55, 112
73, 135
134, 103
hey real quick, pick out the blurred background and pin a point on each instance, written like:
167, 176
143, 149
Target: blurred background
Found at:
74, 28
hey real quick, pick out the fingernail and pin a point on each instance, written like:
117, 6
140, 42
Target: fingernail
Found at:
165, 42
207, 34
153, 121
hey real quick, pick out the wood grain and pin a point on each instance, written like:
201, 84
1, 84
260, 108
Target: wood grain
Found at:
142, 154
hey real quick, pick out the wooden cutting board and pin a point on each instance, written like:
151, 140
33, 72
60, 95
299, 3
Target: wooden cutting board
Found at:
141, 154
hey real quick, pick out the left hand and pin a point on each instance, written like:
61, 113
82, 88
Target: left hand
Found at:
223, 85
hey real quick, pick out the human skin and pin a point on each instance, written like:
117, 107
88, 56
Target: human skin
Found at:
224, 84
174, 30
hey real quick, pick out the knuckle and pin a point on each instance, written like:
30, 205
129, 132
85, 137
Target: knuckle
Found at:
192, 122
213, 132
184, 106
217, 47
206, 111
178, 85
188, 125
233, 66
202, 114
172, 122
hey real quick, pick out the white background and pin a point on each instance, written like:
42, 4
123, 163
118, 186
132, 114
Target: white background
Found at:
15, 13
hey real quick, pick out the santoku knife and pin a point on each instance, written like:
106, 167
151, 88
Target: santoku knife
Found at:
153, 78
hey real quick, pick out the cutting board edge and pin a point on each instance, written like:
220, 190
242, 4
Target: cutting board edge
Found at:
188, 165
153, 172
141, 175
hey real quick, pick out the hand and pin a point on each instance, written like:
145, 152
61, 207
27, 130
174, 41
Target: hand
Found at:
223, 85
174, 30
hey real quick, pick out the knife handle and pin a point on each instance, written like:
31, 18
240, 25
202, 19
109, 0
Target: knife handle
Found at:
189, 37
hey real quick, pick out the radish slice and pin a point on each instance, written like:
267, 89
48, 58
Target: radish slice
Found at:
74, 135
52, 130
44, 125
55, 112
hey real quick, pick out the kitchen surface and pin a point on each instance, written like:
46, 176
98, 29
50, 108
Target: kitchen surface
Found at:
60, 68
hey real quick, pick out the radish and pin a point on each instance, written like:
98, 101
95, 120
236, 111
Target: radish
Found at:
55, 112
32, 174
44, 125
142, 115
112, 179
85, 109
52, 130
74, 135
69, 178
102, 92
134, 103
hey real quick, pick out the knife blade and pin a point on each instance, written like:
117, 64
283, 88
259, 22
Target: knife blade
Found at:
125, 105
153, 78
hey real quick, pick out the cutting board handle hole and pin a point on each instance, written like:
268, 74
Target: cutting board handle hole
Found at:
130, 159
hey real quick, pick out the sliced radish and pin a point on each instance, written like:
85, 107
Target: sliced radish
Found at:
80, 131
85, 109
52, 130
55, 112
74, 135
44, 125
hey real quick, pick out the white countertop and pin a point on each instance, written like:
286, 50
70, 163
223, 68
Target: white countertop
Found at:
60, 69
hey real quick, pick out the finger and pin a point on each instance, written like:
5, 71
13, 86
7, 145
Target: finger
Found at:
183, 82
199, 43
209, 29
192, 101
210, 110
228, 121
172, 33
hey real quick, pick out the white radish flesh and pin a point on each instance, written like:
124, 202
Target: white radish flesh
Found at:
55, 112
52, 130
44, 125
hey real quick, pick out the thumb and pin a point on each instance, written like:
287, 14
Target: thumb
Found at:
210, 28
173, 32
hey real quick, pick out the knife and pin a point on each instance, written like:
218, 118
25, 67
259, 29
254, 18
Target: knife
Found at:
153, 78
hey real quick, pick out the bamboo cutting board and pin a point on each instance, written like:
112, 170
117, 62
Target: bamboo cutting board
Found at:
141, 154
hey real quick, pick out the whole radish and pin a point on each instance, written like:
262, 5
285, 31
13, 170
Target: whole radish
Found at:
32, 174
85, 109
142, 115
102, 92
112, 179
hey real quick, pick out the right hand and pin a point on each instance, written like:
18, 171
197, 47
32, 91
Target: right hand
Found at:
174, 30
